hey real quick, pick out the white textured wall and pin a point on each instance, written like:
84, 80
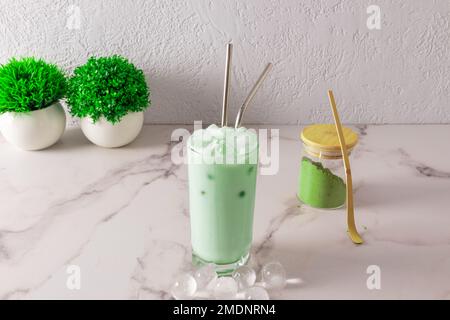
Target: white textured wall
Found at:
399, 74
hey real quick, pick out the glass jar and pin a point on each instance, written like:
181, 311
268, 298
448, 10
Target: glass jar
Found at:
321, 182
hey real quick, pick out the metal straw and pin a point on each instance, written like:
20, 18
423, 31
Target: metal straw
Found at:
226, 85
251, 95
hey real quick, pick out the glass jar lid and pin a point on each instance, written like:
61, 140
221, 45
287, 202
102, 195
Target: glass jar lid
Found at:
322, 141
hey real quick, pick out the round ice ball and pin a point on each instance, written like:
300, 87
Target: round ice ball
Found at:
256, 293
216, 132
204, 275
225, 288
184, 287
245, 277
273, 275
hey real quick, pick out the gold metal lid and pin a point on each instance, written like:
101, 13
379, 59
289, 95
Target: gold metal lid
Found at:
321, 140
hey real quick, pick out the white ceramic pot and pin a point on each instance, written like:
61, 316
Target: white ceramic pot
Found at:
105, 134
34, 130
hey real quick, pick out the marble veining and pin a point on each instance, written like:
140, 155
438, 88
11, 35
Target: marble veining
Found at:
422, 168
122, 216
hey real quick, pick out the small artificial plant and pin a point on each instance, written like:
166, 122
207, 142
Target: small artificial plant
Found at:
30, 84
107, 86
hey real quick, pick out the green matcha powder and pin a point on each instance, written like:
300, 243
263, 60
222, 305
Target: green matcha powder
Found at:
319, 187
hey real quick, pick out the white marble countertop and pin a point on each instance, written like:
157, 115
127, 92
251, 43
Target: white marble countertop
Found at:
122, 216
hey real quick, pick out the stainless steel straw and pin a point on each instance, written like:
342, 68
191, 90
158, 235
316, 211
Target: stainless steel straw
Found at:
251, 95
226, 85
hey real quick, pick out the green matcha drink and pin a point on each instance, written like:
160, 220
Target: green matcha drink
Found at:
222, 181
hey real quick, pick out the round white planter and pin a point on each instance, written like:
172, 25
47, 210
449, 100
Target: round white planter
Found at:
35, 130
108, 135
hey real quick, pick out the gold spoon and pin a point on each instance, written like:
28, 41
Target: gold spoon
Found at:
352, 231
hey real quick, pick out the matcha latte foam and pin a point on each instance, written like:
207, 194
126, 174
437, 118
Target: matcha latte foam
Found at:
319, 187
222, 181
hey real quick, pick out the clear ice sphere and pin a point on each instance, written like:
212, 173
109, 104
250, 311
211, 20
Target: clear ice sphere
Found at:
204, 275
256, 293
225, 288
184, 287
273, 275
245, 277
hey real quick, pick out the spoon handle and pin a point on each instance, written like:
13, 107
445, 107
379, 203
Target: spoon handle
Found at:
353, 232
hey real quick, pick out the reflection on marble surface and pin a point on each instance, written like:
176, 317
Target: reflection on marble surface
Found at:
122, 216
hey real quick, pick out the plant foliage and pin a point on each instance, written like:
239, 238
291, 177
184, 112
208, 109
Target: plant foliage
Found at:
30, 84
107, 86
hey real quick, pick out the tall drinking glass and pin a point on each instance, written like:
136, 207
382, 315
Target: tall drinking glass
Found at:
222, 181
